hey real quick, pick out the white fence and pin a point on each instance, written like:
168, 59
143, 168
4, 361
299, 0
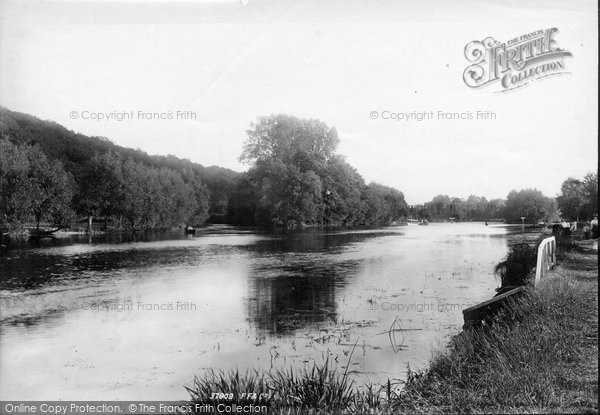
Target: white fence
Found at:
546, 258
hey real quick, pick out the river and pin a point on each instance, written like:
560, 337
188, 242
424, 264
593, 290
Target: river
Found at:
108, 319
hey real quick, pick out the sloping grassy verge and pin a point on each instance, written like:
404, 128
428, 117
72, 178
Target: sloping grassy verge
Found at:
541, 357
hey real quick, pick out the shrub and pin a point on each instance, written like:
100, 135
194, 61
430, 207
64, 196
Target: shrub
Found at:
515, 270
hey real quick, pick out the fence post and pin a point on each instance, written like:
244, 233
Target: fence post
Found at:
546, 258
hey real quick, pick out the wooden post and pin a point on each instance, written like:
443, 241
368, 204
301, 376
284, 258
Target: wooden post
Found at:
546, 258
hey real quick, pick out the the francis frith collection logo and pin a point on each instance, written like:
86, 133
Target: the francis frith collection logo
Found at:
514, 63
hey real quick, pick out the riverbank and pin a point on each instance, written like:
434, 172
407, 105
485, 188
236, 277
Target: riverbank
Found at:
541, 357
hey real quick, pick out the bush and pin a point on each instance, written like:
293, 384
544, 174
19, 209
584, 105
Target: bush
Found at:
515, 270
565, 245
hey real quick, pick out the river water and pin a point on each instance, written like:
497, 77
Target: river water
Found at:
98, 319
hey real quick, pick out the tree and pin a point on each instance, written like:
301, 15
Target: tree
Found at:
291, 140
590, 190
476, 208
572, 199
342, 190
578, 199
202, 202
286, 195
297, 179
383, 204
288, 155
15, 186
137, 188
243, 203
457, 209
495, 209
102, 190
438, 207
528, 203
32, 187
76, 151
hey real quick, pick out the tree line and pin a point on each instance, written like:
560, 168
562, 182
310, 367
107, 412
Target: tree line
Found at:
577, 201
295, 178
474, 208
51, 175
133, 195
74, 151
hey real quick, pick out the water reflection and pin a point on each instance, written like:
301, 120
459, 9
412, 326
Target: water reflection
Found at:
319, 241
288, 293
283, 304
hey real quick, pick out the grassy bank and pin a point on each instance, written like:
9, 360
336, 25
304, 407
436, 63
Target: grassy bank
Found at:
542, 356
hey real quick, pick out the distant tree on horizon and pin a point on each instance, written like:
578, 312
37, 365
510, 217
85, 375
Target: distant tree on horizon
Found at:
578, 199
530, 204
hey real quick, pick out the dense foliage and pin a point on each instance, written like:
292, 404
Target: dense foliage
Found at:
530, 204
578, 199
32, 187
36, 189
75, 151
144, 197
297, 179
515, 269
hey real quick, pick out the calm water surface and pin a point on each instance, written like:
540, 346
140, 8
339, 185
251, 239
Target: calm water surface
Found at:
101, 320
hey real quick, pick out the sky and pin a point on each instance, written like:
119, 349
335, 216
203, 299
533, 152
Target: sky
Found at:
348, 63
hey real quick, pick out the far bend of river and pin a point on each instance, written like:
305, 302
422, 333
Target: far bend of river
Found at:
98, 320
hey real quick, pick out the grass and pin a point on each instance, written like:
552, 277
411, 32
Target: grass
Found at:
319, 388
515, 269
541, 356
